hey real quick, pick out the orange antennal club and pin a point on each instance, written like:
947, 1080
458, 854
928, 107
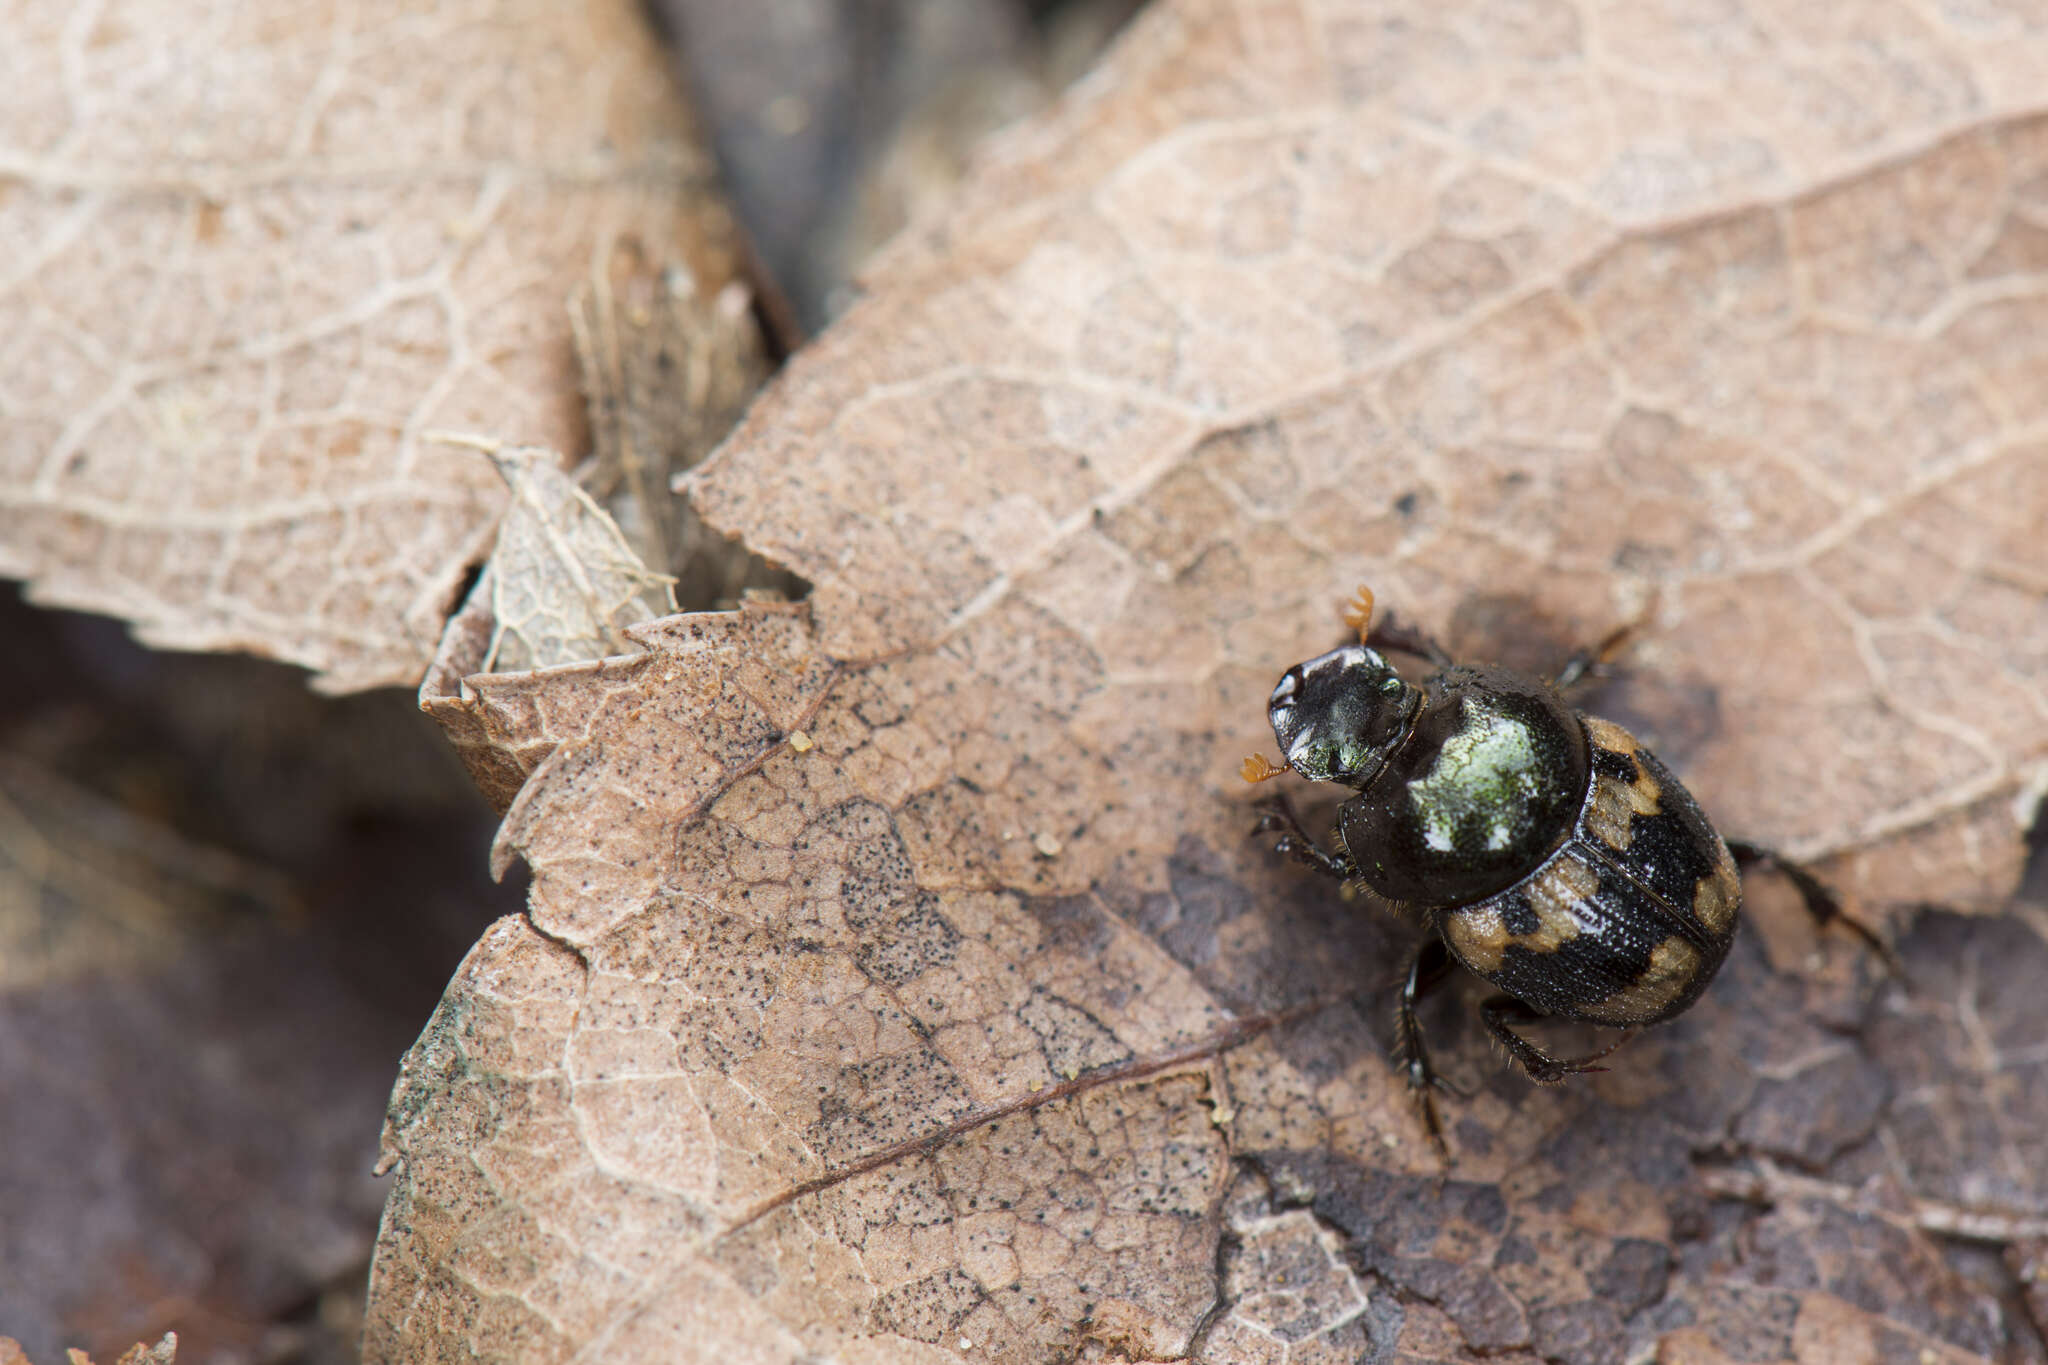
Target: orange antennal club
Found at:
1358, 612
1259, 768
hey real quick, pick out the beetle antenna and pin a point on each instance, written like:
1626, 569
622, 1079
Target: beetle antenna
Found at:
1258, 768
1358, 612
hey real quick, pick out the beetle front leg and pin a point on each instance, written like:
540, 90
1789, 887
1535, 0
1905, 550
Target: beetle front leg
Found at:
1277, 813
1396, 634
1542, 1068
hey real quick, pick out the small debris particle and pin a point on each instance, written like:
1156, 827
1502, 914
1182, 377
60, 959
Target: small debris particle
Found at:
1390, 1140
799, 741
1035, 1087
966, 1344
1220, 1117
734, 300
1047, 845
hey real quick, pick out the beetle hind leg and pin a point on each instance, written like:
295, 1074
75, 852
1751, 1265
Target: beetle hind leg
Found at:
1276, 813
1542, 1068
1820, 902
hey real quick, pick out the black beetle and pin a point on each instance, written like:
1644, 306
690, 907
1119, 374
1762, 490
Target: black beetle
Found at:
1546, 850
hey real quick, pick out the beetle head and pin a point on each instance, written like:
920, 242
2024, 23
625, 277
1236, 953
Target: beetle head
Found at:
1340, 715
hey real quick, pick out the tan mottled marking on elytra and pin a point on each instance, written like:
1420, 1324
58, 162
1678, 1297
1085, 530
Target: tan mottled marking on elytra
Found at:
1479, 936
1555, 895
1716, 895
1616, 804
1673, 965
1608, 735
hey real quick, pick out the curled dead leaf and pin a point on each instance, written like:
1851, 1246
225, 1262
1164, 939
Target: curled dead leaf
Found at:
563, 581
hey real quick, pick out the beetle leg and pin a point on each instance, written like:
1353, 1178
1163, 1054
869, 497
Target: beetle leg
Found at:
1586, 660
1819, 901
1543, 1068
1395, 634
1277, 813
1428, 964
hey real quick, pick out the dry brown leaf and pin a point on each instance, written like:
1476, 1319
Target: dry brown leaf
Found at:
899, 983
257, 252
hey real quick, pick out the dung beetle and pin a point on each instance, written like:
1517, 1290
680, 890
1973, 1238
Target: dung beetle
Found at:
1544, 849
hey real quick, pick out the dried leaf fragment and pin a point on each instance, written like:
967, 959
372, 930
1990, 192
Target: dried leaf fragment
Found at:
563, 581
163, 1351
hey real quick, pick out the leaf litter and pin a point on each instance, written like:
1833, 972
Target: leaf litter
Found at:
810, 1049
260, 252
163, 1351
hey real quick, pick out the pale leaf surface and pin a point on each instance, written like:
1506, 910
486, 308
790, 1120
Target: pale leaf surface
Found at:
899, 982
256, 252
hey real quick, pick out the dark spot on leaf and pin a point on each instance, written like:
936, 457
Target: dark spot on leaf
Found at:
1204, 901
1515, 1249
1072, 1040
1584, 1333
1474, 1138
929, 1310
877, 881
917, 941
1749, 1322
1633, 1276
1489, 1317
1073, 924
887, 1100
1603, 1142
1808, 1118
